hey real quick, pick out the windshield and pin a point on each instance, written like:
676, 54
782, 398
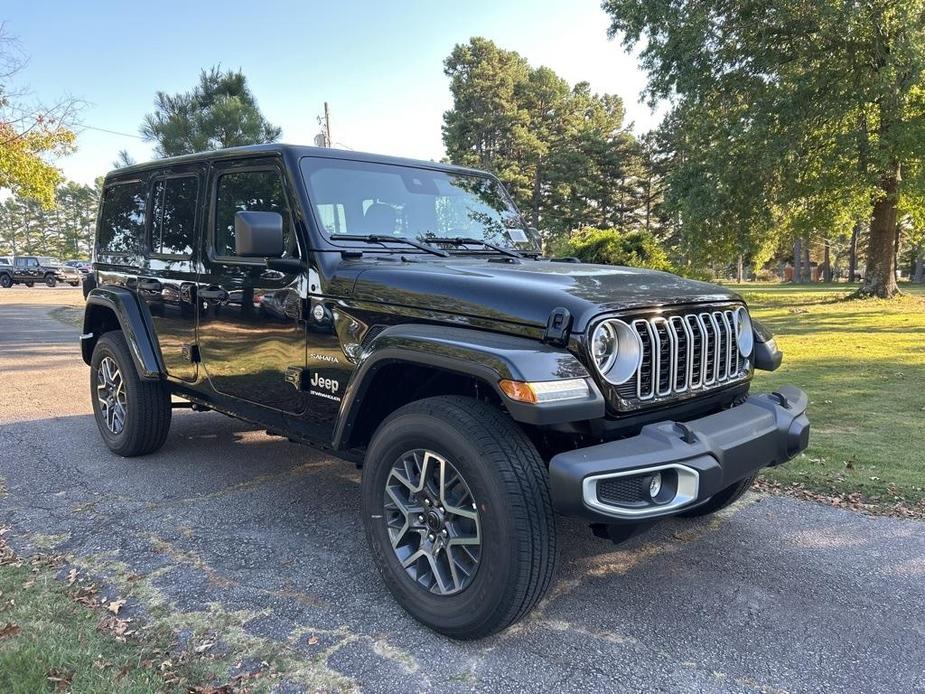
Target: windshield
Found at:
355, 197
46, 260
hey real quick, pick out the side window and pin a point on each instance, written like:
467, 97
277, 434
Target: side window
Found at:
258, 191
122, 220
173, 215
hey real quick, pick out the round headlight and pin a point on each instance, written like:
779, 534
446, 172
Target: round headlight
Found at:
604, 346
616, 350
745, 338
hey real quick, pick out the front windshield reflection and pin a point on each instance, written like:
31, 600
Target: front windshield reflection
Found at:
362, 198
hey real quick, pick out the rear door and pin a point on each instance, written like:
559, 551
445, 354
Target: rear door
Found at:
251, 328
27, 269
168, 283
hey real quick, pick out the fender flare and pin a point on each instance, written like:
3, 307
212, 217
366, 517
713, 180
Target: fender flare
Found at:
136, 326
488, 357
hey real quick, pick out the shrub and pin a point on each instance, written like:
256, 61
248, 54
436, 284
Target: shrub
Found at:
612, 247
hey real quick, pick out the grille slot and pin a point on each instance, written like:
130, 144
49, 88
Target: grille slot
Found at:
624, 491
685, 352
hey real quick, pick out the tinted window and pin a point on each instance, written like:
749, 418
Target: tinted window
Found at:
173, 215
122, 220
260, 191
359, 197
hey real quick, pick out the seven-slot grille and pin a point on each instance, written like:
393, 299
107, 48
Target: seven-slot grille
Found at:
685, 352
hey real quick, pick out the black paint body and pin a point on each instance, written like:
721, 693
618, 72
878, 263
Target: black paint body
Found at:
320, 350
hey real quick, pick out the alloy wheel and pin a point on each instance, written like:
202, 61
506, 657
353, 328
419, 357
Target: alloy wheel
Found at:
433, 522
110, 392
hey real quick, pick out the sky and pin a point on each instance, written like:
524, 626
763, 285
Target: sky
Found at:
378, 64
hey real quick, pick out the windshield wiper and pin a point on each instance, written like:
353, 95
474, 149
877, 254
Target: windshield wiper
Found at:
462, 241
374, 238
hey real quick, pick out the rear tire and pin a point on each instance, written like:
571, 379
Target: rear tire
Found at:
133, 415
29, 284
509, 492
74, 284
6, 281
50, 281
722, 499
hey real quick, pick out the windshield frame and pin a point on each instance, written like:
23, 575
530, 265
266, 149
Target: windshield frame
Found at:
449, 170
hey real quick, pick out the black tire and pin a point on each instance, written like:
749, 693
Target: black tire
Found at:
510, 484
29, 284
74, 284
50, 281
6, 281
146, 420
722, 499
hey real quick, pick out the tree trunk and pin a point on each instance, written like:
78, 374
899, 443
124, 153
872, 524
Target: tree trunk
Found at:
826, 262
797, 262
537, 189
740, 270
853, 252
880, 276
918, 275
807, 267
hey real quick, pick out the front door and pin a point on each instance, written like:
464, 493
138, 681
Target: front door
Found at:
251, 329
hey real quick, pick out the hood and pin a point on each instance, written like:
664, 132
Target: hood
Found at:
527, 291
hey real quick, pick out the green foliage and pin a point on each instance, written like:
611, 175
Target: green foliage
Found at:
29, 135
612, 247
563, 152
220, 111
63, 231
789, 119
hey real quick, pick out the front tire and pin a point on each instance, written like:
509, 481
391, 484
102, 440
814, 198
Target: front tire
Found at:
133, 415
50, 281
500, 508
6, 281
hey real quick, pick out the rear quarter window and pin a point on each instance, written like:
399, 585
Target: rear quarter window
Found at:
122, 219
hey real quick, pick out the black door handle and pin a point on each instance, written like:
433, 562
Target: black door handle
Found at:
150, 285
213, 294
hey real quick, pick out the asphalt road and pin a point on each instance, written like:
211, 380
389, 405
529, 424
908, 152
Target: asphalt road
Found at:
260, 540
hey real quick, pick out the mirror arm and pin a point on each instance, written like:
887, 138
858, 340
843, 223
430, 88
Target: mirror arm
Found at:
287, 265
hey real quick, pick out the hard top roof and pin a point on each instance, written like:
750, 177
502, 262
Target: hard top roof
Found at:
283, 149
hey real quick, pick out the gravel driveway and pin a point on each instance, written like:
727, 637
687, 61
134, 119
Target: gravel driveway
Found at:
228, 529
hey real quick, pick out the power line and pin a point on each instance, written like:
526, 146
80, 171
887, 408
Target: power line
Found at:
111, 132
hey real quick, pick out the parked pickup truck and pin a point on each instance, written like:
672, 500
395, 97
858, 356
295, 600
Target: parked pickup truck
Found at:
400, 314
29, 269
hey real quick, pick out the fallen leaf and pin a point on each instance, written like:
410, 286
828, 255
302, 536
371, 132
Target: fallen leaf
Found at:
203, 647
9, 630
312, 640
115, 606
71, 576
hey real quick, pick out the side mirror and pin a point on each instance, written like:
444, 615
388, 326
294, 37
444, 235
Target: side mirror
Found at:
258, 234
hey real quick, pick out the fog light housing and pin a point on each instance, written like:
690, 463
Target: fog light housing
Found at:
655, 485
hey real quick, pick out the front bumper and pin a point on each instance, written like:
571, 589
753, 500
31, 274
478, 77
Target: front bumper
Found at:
701, 457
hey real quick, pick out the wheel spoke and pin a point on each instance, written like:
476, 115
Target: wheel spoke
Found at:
430, 515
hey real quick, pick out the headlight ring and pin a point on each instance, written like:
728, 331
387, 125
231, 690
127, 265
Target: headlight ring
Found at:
616, 350
745, 336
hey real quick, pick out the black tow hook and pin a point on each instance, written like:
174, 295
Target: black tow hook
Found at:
687, 435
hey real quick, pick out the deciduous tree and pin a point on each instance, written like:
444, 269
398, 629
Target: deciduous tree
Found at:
789, 117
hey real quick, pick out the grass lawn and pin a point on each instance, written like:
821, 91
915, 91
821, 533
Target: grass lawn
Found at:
56, 636
863, 365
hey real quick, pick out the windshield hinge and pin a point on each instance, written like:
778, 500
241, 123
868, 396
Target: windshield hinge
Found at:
557, 327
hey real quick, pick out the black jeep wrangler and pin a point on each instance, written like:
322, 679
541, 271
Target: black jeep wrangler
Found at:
29, 269
399, 314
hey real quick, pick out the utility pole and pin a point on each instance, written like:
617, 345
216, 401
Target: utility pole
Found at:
327, 125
